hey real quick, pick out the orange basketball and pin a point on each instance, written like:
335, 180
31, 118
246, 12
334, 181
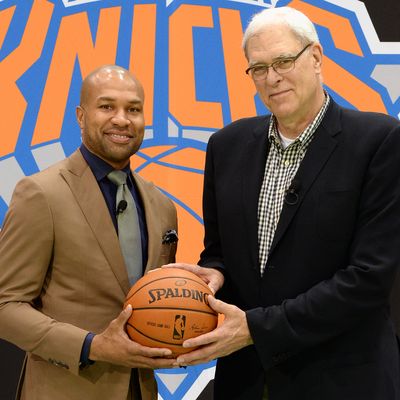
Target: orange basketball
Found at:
169, 306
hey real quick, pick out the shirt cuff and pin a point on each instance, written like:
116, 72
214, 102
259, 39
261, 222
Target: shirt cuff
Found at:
84, 360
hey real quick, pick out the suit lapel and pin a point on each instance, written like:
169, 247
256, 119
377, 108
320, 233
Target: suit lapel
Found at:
318, 153
255, 155
87, 193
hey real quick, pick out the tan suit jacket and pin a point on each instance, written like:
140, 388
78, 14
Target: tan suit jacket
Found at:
62, 275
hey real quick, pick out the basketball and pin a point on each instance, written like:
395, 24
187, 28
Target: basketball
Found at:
169, 306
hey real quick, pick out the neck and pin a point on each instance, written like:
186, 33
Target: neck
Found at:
292, 126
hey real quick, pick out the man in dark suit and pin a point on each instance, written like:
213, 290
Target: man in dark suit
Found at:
63, 274
302, 235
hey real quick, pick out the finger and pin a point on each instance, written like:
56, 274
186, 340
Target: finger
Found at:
205, 274
162, 364
216, 280
219, 306
154, 363
152, 270
201, 340
124, 315
187, 267
153, 352
195, 357
213, 287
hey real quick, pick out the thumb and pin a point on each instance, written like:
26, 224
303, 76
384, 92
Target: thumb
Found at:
124, 315
217, 305
213, 287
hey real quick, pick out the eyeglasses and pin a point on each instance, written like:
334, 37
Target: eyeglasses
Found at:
259, 72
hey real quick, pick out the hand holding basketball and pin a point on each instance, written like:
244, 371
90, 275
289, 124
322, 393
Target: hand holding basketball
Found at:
211, 276
231, 335
169, 306
114, 346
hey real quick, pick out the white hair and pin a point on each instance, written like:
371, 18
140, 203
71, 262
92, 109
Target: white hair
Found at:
296, 21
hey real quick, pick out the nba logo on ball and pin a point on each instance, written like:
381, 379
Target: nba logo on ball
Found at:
179, 327
169, 306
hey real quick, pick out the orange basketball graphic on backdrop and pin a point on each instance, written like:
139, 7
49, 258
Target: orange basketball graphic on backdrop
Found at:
179, 173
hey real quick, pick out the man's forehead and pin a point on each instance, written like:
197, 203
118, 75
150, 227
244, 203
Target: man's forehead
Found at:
117, 88
271, 33
278, 45
113, 80
115, 95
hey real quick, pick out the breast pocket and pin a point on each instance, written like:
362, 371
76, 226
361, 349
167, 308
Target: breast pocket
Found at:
336, 214
168, 251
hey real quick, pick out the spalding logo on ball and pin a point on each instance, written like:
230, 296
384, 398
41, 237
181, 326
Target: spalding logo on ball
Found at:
169, 306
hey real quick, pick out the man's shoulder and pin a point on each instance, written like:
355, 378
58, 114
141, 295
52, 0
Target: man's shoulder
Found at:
369, 119
243, 127
50, 176
358, 127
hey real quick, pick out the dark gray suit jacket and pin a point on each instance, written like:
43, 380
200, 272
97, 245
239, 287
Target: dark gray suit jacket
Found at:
320, 315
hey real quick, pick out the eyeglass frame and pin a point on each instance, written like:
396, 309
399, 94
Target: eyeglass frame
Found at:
276, 62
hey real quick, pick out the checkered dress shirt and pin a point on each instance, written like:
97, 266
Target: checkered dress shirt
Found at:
280, 169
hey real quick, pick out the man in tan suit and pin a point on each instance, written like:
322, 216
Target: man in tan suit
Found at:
63, 279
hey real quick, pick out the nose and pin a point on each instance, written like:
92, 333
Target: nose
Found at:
273, 77
120, 118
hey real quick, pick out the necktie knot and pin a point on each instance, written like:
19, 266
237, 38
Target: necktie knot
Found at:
117, 177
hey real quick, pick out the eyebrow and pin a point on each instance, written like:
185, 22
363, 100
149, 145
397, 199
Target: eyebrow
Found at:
106, 98
277, 58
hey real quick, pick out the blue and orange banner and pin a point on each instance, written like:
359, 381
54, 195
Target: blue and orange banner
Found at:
188, 56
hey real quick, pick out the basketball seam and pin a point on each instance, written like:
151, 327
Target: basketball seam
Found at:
174, 308
156, 340
169, 277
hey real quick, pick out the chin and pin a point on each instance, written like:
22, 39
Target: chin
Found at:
283, 112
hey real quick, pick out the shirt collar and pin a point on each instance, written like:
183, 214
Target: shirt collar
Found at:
99, 167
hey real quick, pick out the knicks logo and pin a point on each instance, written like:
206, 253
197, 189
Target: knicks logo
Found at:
189, 59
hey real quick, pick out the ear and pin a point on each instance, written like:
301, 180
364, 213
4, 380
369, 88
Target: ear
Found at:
317, 53
80, 116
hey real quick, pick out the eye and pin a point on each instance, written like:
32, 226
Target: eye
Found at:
259, 69
105, 106
283, 64
135, 110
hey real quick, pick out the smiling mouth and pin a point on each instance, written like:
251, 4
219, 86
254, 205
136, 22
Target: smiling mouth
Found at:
279, 93
119, 138
119, 135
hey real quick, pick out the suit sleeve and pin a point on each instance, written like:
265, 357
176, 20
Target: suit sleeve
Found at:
211, 256
26, 244
356, 290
